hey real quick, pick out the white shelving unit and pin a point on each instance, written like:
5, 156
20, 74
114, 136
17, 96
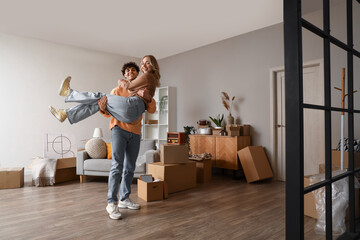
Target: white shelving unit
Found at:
156, 125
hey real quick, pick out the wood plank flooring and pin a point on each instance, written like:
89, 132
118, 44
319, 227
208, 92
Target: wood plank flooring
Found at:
222, 209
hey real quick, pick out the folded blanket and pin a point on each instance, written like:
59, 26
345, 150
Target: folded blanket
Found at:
43, 171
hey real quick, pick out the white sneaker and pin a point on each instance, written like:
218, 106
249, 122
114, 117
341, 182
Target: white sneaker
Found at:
113, 211
127, 203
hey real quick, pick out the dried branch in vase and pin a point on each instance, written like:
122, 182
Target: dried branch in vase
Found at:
227, 102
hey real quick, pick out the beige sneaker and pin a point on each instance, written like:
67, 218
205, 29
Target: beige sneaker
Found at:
60, 114
127, 203
113, 211
64, 89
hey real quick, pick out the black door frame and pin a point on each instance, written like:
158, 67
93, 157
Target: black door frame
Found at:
295, 191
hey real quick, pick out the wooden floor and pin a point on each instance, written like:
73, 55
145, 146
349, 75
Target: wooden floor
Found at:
222, 209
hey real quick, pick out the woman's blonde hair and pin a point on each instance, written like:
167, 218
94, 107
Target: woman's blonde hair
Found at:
155, 66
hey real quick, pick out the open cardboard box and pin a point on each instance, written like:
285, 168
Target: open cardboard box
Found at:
65, 170
310, 205
152, 191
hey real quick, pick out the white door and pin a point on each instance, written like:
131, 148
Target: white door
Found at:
314, 146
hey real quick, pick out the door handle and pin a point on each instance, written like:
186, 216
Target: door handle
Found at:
279, 125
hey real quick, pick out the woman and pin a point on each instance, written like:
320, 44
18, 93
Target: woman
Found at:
127, 110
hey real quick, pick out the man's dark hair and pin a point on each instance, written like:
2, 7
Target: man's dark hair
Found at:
130, 65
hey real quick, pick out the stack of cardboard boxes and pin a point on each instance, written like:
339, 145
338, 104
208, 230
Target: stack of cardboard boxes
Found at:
175, 171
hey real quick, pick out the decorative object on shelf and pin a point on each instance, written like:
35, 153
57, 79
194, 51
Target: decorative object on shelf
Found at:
203, 122
163, 103
218, 121
149, 121
97, 133
223, 133
343, 95
188, 130
228, 105
176, 138
204, 131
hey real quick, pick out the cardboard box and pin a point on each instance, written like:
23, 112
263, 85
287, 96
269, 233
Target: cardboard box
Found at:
203, 171
255, 163
11, 177
233, 130
65, 170
150, 191
336, 159
310, 205
178, 177
322, 168
174, 153
245, 130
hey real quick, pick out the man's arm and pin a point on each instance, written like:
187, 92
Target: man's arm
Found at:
102, 105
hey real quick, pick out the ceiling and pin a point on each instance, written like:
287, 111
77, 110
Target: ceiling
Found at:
136, 28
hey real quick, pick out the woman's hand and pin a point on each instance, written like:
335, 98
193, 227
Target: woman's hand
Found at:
102, 104
123, 83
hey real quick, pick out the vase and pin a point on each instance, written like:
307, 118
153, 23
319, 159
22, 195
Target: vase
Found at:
230, 119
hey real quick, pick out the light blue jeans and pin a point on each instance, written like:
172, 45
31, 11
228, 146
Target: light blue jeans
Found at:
125, 149
124, 109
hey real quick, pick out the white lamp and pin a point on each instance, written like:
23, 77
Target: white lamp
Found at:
98, 133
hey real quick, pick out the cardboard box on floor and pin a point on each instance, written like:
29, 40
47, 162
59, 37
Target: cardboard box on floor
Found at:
255, 163
178, 177
65, 170
310, 205
203, 170
336, 159
11, 177
152, 191
174, 153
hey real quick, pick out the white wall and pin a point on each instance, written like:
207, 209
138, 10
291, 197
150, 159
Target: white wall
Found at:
241, 66
30, 74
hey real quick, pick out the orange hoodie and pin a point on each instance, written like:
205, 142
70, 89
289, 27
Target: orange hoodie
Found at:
134, 127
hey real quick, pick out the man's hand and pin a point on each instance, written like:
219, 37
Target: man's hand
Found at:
102, 104
144, 93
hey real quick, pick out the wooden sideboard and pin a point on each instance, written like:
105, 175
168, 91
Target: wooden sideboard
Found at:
222, 148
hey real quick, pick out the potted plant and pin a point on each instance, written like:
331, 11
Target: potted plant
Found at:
228, 105
217, 121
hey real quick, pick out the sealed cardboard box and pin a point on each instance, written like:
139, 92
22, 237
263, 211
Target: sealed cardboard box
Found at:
255, 163
11, 177
150, 191
203, 171
174, 153
65, 170
178, 177
310, 204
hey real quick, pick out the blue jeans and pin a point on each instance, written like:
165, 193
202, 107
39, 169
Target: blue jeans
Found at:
125, 149
124, 109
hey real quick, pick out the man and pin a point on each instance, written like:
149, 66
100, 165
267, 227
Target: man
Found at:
125, 145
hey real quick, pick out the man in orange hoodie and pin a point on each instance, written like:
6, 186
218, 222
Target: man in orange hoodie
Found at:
125, 145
